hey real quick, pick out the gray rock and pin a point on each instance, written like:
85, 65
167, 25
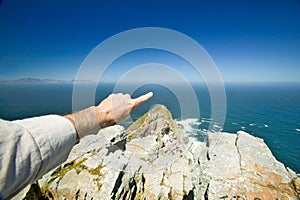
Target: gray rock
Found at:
153, 159
224, 159
246, 169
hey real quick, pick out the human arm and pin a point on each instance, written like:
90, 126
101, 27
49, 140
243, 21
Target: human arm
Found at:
31, 147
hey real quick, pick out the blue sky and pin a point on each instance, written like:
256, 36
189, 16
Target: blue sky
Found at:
250, 40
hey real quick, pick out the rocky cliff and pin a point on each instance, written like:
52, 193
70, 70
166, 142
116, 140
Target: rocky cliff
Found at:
153, 159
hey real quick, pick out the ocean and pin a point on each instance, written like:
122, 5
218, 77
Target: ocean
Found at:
268, 111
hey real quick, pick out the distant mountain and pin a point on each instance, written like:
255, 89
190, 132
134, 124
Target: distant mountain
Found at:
38, 81
33, 80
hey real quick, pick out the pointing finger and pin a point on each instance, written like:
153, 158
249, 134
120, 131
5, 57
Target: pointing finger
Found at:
142, 99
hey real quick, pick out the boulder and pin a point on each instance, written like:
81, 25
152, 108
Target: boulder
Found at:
153, 159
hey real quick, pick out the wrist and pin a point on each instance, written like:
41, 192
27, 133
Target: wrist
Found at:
105, 117
85, 121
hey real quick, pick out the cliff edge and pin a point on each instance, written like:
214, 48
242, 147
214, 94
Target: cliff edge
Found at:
153, 159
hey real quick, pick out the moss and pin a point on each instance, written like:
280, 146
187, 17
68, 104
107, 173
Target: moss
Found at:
162, 180
141, 122
138, 123
170, 194
97, 173
61, 171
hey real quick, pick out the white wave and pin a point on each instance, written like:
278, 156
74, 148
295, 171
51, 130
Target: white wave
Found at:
243, 127
207, 118
252, 124
217, 128
189, 123
266, 125
298, 129
205, 121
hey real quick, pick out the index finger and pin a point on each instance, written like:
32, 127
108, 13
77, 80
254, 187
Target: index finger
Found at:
142, 99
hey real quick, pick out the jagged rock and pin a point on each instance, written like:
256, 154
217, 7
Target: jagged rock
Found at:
153, 159
246, 169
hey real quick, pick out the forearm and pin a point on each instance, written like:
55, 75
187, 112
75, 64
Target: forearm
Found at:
85, 122
30, 148
91, 120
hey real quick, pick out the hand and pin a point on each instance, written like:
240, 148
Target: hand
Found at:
116, 108
113, 110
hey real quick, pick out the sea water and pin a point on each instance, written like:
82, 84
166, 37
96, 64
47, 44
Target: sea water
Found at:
268, 111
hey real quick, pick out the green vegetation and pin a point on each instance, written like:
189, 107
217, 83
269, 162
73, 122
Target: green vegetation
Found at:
146, 119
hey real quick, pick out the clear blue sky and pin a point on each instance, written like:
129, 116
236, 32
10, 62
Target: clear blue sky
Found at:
249, 40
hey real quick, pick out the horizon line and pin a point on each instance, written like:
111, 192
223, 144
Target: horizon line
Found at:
45, 80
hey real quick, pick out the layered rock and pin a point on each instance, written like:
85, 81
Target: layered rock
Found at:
153, 159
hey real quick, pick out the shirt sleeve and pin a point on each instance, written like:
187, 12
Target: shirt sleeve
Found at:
30, 148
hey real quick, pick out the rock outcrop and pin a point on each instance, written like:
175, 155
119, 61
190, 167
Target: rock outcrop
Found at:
153, 159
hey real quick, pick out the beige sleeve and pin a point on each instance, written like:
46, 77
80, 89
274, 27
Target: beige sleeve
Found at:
30, 148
